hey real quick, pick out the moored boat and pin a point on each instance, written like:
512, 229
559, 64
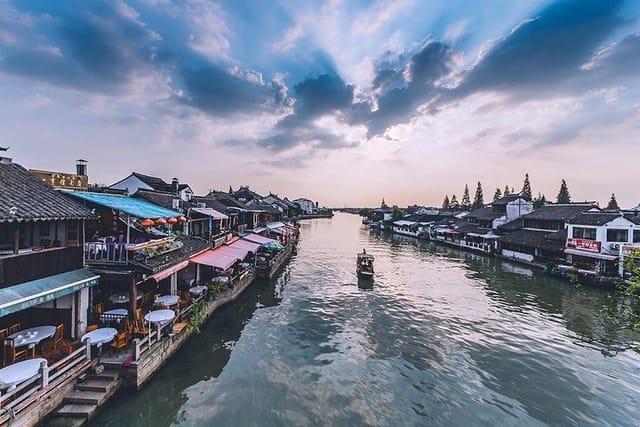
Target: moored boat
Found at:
364, 265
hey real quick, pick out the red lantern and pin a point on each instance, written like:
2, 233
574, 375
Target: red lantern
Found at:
161, 221
171, 220
182, 219
147, 222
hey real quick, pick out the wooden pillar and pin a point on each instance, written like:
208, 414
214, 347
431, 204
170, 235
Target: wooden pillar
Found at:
16, 238
133, 296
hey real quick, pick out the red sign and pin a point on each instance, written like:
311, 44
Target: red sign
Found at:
584, 244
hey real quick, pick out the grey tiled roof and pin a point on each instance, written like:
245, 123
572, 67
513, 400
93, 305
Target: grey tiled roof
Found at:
594, 218
159, 198
190, 247
484, 213
559, 212
32, 199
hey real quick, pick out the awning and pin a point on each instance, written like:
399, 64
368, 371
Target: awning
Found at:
403, 222
210, 212
259, 229
273, 225
231, 251
590, 254
256, 238
215, 258
36, 292
135, 207
245, 244
169, 271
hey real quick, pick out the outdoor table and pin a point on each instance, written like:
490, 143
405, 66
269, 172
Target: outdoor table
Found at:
19, 372
197, 290
167, 300
221, 279
100, 336
123, 297
159, 316
32, 336
116, 312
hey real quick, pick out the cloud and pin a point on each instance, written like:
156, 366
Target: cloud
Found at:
290, 38
543, 51
99, 47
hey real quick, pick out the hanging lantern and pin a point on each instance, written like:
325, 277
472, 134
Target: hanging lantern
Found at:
147, 222
171, 220
161, 221
182, 219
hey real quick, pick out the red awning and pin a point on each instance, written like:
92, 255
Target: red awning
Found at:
256, 238
590, 254
169, 271
245, 244
215, 258
239, 253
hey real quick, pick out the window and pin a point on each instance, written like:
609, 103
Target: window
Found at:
636, 236
584, 233
617, 235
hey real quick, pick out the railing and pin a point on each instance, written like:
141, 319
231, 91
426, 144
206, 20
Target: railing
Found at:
98, 252
155, 334
38, 264
46, 382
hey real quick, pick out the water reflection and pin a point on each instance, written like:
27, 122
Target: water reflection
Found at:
443, 337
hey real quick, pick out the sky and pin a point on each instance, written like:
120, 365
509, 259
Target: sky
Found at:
344, 102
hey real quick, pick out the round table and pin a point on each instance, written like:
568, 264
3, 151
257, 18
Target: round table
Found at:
32, 336
123, 297
167, 300
114, 315
159, 316
20, 372
197, 290
100, 336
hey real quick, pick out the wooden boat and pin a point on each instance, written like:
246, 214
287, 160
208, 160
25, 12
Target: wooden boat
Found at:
364, 265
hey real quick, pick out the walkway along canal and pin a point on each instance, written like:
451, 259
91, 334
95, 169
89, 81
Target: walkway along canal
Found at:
444, 337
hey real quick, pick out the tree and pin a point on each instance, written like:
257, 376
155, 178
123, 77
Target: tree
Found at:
497, 194
466, 200
396, 213
478, 200
613, 203
366, 212
230, 190
539, 201
383, 204
506, 192
563, 195
453, 204
445, 202
526, 188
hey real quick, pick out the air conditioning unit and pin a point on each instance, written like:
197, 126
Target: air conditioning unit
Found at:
614, 246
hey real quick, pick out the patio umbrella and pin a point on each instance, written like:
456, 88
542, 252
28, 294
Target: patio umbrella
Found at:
273, 246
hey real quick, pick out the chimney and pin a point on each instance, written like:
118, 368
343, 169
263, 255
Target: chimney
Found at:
174, 185
81, 167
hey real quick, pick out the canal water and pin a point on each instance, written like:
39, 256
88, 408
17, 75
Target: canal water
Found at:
442, 338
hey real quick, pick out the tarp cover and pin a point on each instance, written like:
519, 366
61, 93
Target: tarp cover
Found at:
36, 292
135, 207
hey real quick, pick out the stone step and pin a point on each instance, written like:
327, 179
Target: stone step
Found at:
85, 397
75, 410
106, 375
64, 421
95, 385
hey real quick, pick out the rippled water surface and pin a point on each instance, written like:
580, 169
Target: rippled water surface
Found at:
442, 338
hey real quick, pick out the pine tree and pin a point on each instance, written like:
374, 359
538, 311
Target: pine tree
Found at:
230, 190
526, 188
539, 201
563, 195
445, 203
383, 204
466, 200
453, 204
478, 200
613, 203
513, 190
497, 194
506, 192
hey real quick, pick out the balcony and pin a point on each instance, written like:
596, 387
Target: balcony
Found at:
36, 264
